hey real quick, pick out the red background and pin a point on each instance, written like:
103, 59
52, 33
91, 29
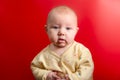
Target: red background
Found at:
22, 35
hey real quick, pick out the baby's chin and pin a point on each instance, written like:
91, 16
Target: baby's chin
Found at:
61, 45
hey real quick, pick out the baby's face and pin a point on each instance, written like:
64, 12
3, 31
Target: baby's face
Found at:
62, 29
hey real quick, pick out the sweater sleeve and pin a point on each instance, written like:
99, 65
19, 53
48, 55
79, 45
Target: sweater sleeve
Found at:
85, 68
38, 70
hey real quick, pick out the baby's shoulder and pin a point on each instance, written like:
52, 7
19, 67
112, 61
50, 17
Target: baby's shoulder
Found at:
81, 47
43, 51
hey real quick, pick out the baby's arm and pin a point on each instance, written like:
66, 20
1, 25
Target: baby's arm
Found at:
38, 70
85, 68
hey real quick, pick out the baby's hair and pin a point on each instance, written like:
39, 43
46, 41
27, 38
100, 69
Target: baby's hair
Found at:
61, 10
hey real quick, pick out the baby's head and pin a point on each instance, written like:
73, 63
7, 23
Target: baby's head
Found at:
61, 26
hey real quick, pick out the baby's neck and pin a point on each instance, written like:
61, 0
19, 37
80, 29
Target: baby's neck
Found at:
59, 50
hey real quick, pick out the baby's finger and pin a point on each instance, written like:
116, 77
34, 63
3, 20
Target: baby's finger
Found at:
67, 77
57, 77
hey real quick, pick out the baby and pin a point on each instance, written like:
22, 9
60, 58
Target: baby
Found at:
64, 58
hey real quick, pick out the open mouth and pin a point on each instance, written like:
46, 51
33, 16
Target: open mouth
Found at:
61, 40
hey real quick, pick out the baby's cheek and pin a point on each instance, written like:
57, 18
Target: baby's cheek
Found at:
70, 39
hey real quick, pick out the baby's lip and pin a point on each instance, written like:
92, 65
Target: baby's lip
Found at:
61, 40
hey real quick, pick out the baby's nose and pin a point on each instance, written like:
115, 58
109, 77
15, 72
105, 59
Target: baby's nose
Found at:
61, 33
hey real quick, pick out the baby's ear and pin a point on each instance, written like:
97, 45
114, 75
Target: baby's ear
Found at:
45, 26
77, 28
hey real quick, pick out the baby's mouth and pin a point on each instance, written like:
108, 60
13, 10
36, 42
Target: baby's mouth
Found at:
60, 40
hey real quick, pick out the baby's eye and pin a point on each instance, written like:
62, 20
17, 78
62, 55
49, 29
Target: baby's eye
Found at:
68, 28
55, 27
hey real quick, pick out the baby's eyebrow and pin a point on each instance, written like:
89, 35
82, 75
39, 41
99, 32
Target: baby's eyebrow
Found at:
55, 25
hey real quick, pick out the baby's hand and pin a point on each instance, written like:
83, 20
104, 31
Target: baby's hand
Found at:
53, 76
63, 76
67, 77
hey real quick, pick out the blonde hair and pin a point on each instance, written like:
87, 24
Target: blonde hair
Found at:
61, 10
